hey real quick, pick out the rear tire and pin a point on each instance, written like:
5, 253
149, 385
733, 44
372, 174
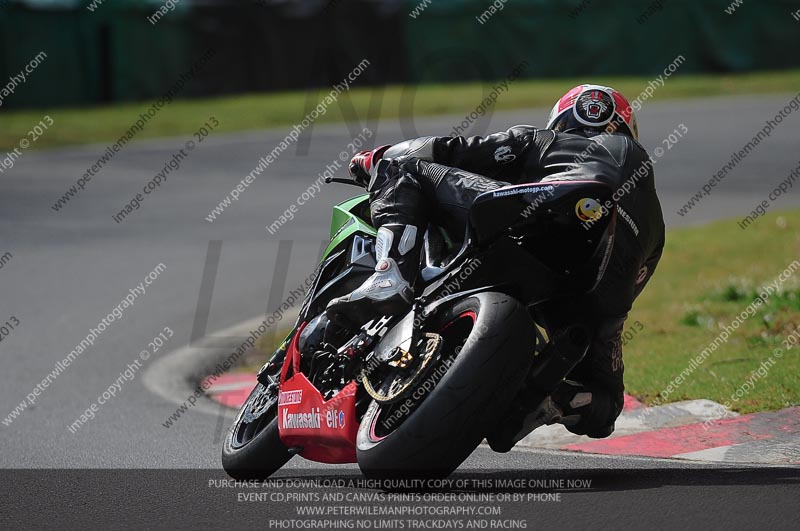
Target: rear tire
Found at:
450, 422
253, 447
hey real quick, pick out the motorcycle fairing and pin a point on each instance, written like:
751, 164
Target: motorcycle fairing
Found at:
347, 220
325, 430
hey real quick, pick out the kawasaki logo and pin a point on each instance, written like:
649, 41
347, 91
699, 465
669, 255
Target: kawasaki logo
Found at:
524, 190
301, 420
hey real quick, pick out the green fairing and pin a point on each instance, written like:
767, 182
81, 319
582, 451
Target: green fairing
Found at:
344, 223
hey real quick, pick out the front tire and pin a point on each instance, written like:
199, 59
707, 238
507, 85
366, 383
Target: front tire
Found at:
253, 447
451, 420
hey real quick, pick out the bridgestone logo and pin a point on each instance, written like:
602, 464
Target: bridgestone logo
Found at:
287, 398
301, 420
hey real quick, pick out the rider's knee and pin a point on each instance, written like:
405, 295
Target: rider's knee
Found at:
398, 200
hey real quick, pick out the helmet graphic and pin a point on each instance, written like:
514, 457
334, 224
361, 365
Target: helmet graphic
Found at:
596, 108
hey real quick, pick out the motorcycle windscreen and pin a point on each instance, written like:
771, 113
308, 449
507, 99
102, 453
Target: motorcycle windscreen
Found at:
566, 225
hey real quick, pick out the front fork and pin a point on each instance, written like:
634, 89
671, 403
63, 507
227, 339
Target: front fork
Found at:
275, 362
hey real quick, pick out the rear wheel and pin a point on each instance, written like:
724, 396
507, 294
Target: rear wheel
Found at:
253, 447
487, 347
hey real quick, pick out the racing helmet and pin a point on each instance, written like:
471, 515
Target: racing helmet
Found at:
593, 109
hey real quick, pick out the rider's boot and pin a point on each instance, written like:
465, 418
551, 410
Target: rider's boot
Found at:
570, 403
390, 290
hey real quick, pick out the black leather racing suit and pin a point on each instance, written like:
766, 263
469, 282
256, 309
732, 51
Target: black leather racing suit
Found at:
437, 178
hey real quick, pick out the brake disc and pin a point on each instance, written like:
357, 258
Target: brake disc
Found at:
259, 404
403, 361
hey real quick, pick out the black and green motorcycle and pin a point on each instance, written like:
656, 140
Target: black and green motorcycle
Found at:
415, 394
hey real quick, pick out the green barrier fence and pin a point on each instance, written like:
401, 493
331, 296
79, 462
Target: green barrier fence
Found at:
114, 53
468, 39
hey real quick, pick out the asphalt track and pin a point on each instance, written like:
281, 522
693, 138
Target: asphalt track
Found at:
69, 269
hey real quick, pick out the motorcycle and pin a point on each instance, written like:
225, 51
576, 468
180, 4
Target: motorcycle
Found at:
415, 394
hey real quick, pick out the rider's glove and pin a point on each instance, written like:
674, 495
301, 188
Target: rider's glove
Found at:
364, 164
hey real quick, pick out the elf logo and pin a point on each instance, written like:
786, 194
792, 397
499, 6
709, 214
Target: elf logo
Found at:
301, 420
334, 418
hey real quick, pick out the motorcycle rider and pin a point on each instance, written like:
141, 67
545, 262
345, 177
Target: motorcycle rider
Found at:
591, 135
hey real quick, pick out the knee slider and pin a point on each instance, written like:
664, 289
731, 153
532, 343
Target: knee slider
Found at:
598, 422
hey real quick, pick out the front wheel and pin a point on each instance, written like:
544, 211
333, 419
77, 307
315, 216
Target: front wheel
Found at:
488, 342
253, 447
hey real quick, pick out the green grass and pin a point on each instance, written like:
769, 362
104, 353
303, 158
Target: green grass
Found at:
707, 276
255, 111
